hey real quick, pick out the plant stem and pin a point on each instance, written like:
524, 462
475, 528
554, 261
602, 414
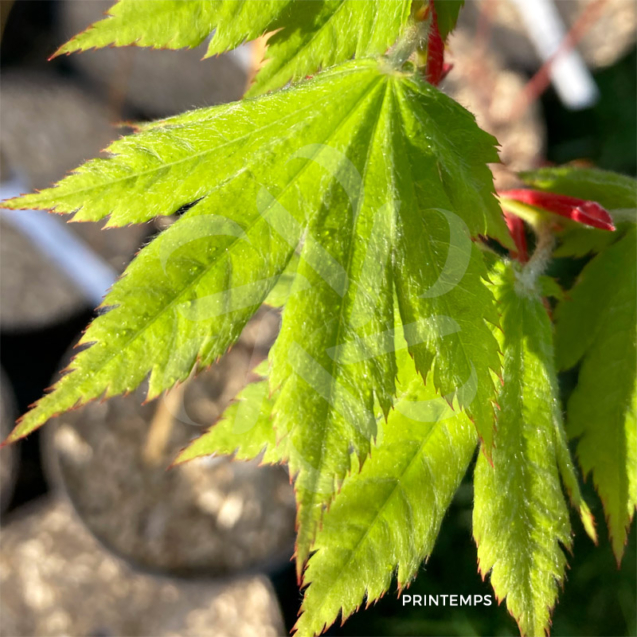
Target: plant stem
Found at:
528, 276
161, 426
409, 42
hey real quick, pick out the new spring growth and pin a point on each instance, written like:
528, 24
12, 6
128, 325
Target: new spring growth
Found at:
431, 58
589, 213
524, 204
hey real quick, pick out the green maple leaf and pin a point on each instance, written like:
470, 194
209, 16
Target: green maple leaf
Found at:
310, 34
520, 516
317, 35
386, 515
370, 189
617, 193
245, 429
214, 156
596, 326
447, 12
334, 356
386, 518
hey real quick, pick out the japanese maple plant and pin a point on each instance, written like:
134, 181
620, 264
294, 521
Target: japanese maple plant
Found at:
419, 326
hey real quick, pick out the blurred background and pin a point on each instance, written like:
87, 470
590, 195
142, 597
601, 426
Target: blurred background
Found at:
97, 538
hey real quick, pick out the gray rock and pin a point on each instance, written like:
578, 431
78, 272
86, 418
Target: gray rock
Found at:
56, 579
49, 127
32, 291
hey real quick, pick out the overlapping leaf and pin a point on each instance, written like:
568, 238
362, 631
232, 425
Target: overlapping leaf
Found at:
244, 431
315, 35
387, 517
309, 34
596, 324
520, 516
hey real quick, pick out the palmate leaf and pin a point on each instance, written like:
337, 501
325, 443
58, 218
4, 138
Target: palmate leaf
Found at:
520, 516
217, 155
596, 324
334, 356
373, 183
186, 297
310, 34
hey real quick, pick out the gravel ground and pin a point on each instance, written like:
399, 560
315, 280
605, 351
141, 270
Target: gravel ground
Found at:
56, 579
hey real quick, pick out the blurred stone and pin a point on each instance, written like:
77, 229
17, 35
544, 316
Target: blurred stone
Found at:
484, 87
8, 455
607, 40
49, 127
157, 82
611, 36
33, 292
56, 579
262, 329
212, 515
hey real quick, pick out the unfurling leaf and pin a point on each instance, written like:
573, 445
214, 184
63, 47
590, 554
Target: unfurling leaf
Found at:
596, 325
617, 193
516, 227
434, 69
520, 515
611, 190
582, 211
310, 35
